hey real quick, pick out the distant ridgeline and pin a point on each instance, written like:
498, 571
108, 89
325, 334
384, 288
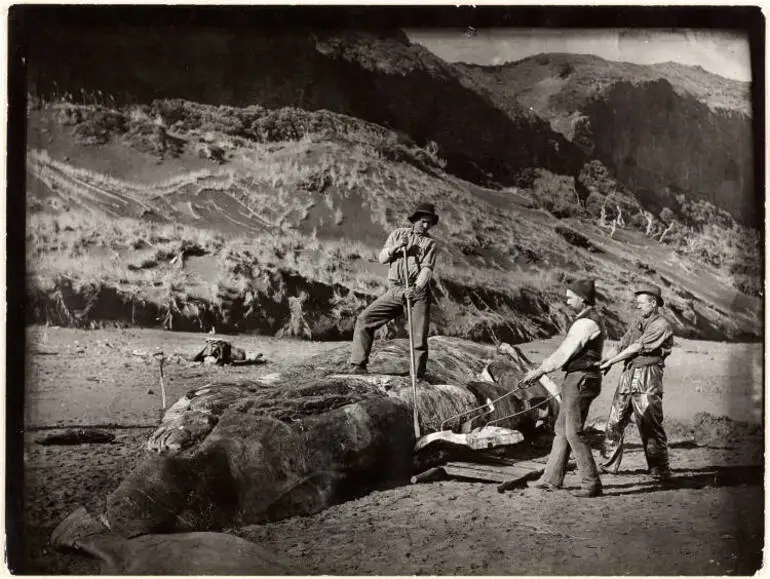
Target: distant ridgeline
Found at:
661, 129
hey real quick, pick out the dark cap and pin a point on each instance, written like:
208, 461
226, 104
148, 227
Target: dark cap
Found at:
585, 289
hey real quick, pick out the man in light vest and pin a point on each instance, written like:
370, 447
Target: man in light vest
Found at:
643, 350
578, 355
417, 269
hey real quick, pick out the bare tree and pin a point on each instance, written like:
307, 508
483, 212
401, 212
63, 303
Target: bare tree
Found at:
650, 222
619, 219
665, 231
603, 218
159, 131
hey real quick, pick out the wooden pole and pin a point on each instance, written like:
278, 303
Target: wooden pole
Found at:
415, 416
161, 358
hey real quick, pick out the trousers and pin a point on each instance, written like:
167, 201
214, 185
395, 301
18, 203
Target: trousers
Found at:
385, 308
639, 392
579, 389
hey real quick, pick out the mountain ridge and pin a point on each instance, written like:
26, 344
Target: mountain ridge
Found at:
692, 79
654, 127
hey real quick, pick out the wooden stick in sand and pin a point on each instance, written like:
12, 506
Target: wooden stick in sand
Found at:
159, 356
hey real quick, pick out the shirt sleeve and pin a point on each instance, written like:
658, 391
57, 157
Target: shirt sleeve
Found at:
581, 332
423, 278
657, 333
390, 242
625, 341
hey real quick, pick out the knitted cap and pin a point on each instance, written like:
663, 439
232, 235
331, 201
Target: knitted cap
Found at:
583, 288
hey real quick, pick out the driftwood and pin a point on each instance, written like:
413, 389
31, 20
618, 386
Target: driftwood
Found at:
76, 436
432, 474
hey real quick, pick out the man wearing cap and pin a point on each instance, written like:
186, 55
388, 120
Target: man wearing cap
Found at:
578, 355
417, 269
643, 350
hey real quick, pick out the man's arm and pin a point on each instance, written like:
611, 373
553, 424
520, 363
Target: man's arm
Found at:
621, 345
653, 337
624, 354
581, 332
388, 252
423, 278
428, 263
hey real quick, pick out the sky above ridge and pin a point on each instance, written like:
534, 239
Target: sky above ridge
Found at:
720, 52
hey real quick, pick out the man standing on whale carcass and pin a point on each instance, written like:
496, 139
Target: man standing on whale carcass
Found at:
407, 280
643, 348
578, 355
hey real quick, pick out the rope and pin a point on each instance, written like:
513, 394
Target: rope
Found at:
489, 411
552, 397
519, 386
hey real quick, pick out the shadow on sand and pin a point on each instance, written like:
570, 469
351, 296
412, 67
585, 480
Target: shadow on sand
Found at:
698, 478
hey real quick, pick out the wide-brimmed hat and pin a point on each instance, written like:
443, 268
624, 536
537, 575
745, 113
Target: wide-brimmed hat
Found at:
650, 289
424, 209
584, 288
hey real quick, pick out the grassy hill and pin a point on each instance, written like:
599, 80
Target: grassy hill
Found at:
378, 76
268, 221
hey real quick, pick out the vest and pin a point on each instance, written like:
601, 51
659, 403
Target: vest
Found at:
654, 358
587, 358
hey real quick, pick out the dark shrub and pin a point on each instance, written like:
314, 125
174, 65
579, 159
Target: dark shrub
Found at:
575, 238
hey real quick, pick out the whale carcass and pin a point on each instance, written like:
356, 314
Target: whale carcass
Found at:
299, 441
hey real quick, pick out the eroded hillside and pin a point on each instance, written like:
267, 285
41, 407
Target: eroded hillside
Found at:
269, 220
376, 76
